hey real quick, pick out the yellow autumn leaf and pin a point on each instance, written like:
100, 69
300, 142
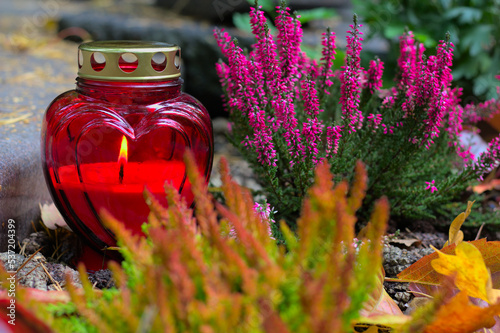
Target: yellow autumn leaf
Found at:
455, 235
469, 269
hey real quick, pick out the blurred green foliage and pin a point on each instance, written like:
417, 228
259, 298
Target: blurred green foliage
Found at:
242, 20
191, 275
474, 29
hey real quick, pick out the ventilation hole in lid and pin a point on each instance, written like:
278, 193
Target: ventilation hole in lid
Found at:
98, 61
80, 59
159, 61
177, 61
128, 62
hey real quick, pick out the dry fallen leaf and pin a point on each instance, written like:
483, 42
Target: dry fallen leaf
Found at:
493, 184
52, 218
474, 268
416, 303
468, 267
455, 234
406, 242
380, 312
372, 329
422, 272
385, 306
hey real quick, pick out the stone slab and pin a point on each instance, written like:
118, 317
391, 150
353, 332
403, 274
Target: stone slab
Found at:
32, 74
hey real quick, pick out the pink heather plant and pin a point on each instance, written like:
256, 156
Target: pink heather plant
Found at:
288, 112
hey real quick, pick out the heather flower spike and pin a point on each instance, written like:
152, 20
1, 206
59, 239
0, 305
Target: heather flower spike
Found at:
312, 128
439, 76
333, 135
350, 87
328, 56
488, 160
288, 40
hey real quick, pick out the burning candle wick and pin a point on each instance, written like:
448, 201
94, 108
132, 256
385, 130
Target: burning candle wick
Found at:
120, 174
122, 159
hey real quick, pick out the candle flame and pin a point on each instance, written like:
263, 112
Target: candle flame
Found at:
123, 157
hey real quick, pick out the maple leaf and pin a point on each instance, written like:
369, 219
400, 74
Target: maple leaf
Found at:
459, 315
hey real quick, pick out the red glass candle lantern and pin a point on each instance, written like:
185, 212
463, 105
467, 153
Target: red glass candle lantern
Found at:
125, 128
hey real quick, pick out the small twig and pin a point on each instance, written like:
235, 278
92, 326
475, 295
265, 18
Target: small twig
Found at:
419, 293
57, 240
411, 233
51, 278
112, 248
33, 225
103, 259
23, 248
60, 256
479, 231
28, 260
55, 251
25, 275
8, 121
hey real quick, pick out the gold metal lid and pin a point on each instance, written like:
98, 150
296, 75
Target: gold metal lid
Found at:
121, 60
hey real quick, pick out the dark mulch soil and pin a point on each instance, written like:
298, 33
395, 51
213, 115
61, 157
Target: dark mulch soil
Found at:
398, 256
102, 279
52, 255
